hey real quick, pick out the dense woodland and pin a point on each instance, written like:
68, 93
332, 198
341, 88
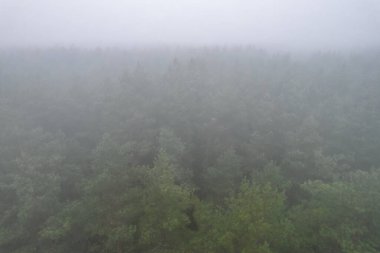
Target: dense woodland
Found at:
189, 150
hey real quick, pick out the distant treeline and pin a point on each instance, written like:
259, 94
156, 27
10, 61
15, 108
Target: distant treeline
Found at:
189, 150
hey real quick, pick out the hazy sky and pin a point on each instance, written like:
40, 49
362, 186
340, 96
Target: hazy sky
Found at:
290, 23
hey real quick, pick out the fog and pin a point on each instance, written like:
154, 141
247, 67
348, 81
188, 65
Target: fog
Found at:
165, 126
290, 24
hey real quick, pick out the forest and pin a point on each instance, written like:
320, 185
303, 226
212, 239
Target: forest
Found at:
187, 150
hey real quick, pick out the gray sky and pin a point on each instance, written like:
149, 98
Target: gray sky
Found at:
305, 24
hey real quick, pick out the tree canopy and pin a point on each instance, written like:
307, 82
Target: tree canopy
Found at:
189, 150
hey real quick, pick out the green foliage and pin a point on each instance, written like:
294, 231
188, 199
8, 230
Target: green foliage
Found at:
189, 150
254, 222
136, 209
224, 178
342, 216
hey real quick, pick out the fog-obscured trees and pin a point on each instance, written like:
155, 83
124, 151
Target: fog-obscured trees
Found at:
189, 150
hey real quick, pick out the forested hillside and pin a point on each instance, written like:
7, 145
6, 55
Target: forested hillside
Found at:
189, 150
